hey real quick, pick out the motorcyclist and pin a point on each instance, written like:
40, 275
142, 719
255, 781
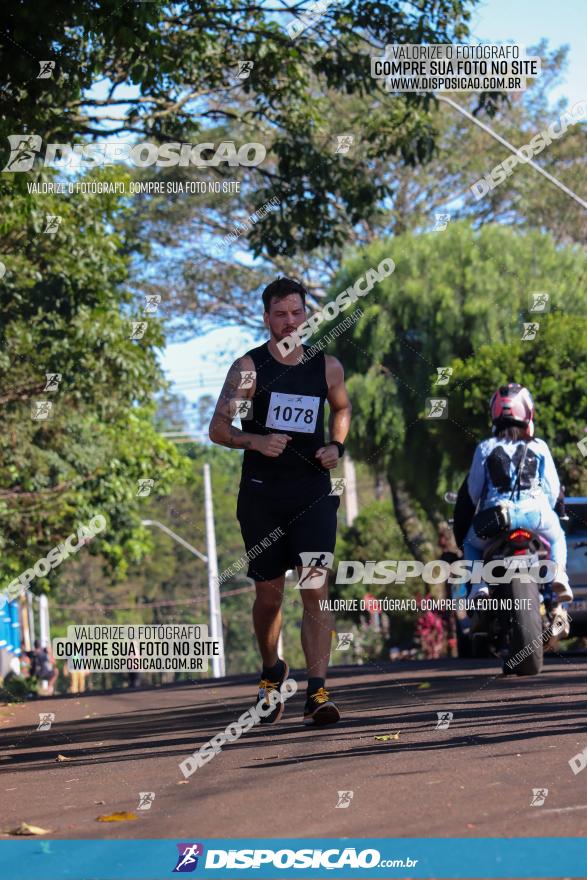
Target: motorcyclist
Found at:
493, 475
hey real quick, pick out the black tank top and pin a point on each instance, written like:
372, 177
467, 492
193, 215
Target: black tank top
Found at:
287, 400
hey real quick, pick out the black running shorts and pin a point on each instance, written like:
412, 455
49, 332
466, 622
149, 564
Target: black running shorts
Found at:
306, 514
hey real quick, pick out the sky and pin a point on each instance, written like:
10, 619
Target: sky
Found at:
198, 367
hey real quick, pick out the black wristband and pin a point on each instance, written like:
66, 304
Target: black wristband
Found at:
339, 446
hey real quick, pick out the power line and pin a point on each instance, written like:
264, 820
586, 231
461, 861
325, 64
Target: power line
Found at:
201, 600
191, 383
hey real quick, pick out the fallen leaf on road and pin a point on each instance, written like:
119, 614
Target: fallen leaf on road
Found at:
73, 780
183, 782
117, 817
423, 685
386, 736
63, 758
24, 828
99, 802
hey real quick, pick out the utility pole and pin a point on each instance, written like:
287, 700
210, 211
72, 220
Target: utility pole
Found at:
44, 629
214, 606
218, 668
350, 490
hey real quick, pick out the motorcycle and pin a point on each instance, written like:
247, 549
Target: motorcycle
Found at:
517, 630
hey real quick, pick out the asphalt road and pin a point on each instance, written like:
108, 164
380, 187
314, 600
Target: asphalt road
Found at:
474, 778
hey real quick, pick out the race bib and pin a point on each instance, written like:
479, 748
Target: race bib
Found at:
293, 412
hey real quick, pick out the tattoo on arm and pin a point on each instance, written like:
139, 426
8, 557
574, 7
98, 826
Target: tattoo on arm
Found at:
236, 432
231, 384
233, 437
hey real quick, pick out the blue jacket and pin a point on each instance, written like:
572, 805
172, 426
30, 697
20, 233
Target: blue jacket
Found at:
493, 472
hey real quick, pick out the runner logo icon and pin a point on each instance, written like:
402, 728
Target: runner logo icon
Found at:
188, 857
314, 570
23, 149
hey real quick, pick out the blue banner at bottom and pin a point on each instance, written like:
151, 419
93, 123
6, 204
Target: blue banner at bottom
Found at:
272, 858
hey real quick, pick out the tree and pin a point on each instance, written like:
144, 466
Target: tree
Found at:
451, 292
77, 418
373, 536
551, 367
218, 251
169, 73
184, 61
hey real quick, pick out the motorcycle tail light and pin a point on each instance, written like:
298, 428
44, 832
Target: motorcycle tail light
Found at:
520, 533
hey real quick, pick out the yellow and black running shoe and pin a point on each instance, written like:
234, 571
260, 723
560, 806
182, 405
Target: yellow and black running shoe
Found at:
320, 709
267, 687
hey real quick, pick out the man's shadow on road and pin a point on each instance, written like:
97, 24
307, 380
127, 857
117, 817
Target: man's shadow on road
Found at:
487, 708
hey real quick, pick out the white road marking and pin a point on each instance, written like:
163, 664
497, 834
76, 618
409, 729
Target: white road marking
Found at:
565, 809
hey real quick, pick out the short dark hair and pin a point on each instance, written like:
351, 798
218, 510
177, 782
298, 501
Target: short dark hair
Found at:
282, 287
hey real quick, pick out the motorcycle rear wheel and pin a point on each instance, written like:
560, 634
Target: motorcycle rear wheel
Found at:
526, 645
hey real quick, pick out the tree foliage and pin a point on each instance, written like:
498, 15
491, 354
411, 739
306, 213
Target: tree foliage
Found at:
65, 310
551, 367
214, 280
169, 73
453, 295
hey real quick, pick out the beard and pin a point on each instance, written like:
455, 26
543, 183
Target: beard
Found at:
278, 335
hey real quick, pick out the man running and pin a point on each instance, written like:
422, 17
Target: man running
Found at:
285, 485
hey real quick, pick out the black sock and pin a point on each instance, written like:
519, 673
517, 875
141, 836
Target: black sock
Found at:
314, 684
273, 673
